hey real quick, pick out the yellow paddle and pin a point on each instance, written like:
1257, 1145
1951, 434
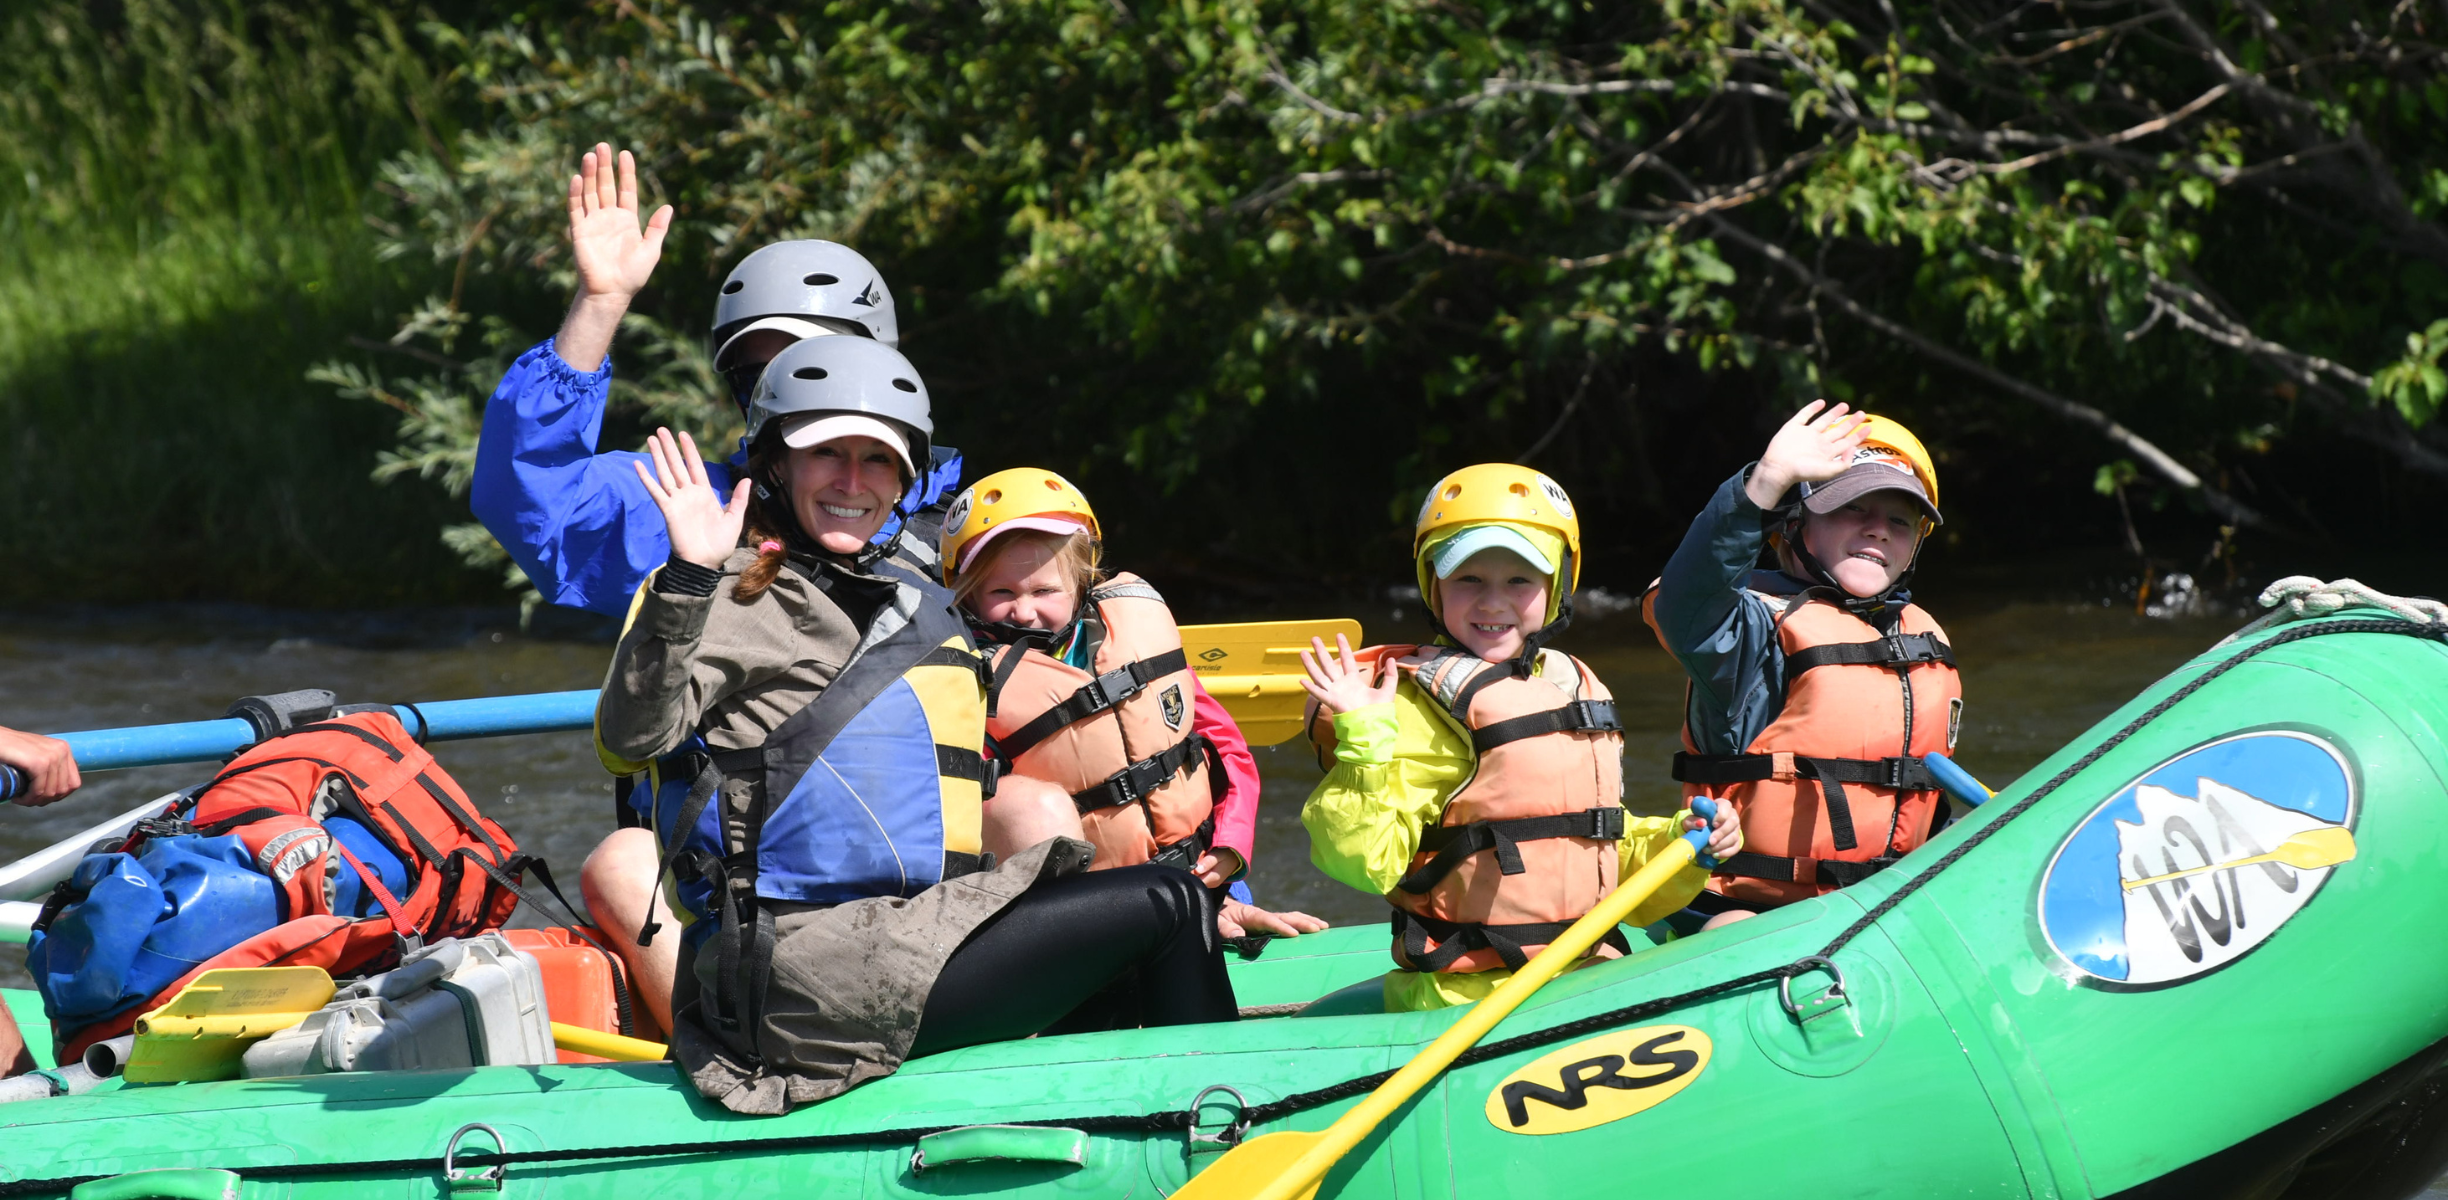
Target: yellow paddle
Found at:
203, 1032
2307, 851
607, 1045
1289, 1165
1254, 670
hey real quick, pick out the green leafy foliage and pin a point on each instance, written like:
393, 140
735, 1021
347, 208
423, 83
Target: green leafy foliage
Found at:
1256, 271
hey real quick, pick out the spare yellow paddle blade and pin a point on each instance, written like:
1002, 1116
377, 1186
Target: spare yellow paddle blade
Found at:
1248, 1168
2316, 848
1254, 670
202, 1032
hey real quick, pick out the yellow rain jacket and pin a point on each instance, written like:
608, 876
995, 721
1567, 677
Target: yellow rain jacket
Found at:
1396, 765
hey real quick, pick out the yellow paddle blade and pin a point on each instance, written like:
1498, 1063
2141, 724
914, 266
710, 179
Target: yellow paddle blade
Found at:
1254, 670
1249, 1167
204, 1030
2310, 850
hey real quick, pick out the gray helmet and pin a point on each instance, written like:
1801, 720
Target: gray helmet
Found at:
866, 385
825, 283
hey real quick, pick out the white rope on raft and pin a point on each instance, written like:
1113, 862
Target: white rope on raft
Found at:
2297, 597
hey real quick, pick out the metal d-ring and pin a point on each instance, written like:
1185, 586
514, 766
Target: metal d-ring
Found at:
1785, 984
475, 1179
1232, 1134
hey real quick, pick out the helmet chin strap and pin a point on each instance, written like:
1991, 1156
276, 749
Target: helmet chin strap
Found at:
795, 539
1823, 580
1012, 633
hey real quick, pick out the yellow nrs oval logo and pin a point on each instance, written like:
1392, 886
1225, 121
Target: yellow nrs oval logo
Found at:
1603, 1079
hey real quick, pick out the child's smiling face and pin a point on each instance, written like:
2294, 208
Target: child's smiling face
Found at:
1026, 585
1492, 602
1866, 544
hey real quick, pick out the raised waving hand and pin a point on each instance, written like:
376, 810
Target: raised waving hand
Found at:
704, 530
1812, 447
1341, 682
615, 255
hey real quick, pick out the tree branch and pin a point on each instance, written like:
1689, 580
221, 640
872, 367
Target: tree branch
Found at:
2156, 459
2145, 129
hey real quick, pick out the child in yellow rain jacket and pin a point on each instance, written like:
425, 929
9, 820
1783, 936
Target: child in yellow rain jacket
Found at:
1477, 782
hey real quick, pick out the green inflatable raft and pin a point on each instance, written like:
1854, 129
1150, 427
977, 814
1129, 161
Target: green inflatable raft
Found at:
2203, 951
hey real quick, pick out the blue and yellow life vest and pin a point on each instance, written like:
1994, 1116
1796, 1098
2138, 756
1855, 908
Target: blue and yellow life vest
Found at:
876, 788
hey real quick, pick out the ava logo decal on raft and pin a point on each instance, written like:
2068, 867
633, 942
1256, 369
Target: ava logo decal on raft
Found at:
2200, 860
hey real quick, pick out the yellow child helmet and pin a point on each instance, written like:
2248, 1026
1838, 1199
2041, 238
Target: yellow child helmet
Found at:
1888, 450
1020, 498
1500, 494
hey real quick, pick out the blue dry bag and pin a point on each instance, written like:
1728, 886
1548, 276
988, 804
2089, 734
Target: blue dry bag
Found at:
146, 919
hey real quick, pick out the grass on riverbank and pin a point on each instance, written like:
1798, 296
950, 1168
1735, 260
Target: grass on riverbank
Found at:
181, 190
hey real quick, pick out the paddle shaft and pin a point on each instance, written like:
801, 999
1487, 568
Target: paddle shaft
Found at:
1566, 951
558, 712
208, 741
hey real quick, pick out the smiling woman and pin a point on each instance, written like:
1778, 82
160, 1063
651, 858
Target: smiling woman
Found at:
810, 717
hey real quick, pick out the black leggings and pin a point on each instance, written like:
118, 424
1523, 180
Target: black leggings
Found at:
1120, 949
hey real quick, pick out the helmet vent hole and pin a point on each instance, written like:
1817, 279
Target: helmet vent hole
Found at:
1519, 489
905, 385
1053, 485
732, 286
820, 279
993, 497
808, 373
1453, 493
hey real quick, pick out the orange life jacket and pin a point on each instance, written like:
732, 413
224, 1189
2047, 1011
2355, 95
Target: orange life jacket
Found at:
1120, 738
1834, 789
1527, 844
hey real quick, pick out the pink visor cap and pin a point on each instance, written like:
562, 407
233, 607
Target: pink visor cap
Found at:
1049, 523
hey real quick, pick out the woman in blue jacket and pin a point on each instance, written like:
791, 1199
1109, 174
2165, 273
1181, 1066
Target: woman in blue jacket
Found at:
576, 520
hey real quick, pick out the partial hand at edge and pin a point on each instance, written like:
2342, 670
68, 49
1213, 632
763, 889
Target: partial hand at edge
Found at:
1237, 919
47, 762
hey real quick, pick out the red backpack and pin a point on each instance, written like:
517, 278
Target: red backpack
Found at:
463, 871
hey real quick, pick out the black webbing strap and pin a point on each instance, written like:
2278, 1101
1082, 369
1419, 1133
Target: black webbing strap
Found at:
1903, 774
1802, 870
961, 762
1098, 695
1185, 853
1131, 784
1454, 844
975, 663
1001, 673
702, 788
1580, 716
1895, 650
1457, 938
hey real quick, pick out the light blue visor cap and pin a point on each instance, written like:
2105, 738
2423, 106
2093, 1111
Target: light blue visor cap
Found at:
1448, 556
